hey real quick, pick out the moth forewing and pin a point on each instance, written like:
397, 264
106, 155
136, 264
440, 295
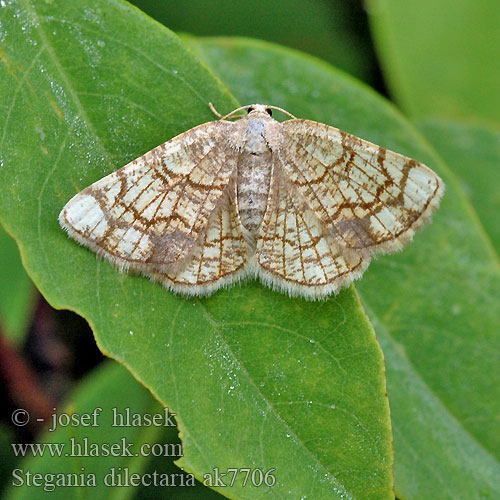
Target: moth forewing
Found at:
149, 214
370, 198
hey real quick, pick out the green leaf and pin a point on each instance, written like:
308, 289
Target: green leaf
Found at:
439, 58
110, 425
16, 291
8, 460
473, 151
435, 306
333, 24
256, 379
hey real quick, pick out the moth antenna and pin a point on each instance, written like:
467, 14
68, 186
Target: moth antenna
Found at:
283, 111
214, 111
229, 115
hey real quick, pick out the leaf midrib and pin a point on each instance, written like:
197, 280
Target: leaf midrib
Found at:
218, 330
67, 82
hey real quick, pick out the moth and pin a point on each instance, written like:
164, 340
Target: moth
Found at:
299, 204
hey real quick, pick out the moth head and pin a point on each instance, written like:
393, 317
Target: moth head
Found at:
259, 108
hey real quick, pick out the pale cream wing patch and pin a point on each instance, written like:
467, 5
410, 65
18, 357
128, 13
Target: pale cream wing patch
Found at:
218, 258
295, 253
151, 212
369, 198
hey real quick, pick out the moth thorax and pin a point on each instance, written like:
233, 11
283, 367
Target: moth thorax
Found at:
254, 180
